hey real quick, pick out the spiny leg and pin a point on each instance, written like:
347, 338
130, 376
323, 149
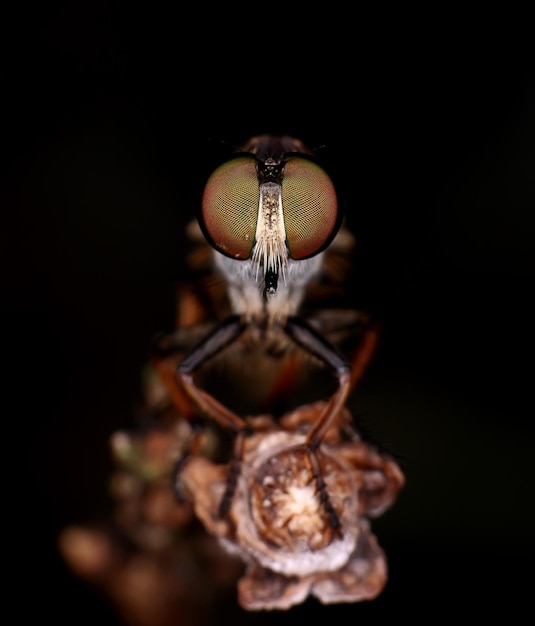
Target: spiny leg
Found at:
224, 334
321, 490
182, 401
314, 343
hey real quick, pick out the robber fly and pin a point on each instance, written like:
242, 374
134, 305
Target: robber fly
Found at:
270, 213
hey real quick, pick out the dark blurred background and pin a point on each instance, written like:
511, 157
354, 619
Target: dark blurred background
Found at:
115, 118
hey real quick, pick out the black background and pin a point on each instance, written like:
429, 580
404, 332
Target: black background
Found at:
114, 117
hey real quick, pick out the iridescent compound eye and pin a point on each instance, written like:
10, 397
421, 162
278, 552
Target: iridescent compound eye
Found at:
230, 207
229, 211
310, 206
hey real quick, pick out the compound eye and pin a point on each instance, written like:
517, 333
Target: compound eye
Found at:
310, 206
229, 209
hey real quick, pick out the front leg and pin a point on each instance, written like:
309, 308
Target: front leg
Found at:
223, 335
216, 341
314, 343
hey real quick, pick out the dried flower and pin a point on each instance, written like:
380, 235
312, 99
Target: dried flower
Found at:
277, 523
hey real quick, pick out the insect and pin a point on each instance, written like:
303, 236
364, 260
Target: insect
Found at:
270, 214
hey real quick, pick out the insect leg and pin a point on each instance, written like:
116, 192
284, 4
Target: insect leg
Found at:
223, 335
315, 344
309, 339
